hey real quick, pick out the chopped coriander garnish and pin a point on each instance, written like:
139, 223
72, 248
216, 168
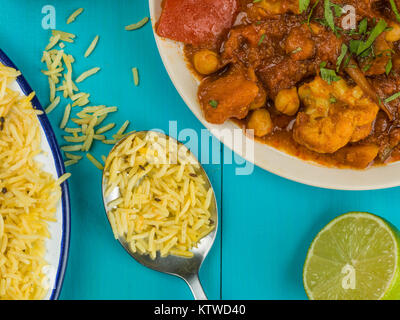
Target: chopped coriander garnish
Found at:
329, 15
389, 66
311, 12
338, 9
354, 45
393, 97
394, 8
261, 39
303, 5
297, 50
367, 67
347, 61
363, 26
378, 29
332, 100
327, 74
388, 53
213, 103
341, 57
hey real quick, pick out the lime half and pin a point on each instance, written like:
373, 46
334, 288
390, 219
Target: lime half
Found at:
355, 257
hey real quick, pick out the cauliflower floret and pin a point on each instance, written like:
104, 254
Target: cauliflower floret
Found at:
333, 116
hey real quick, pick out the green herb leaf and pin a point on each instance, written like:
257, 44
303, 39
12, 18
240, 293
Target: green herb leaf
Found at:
338, 9
378, 29
327, 74
347, 61
297, 50
213, 103
363, 26
329, 15
341, 57
332, 100
389, 67
303, 5
367, 67
393, 97
354, 45
311, 12
394, 8
261, 39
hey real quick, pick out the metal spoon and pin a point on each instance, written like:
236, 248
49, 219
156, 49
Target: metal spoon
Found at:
185, 268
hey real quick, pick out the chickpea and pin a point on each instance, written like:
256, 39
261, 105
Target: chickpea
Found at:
259, 101
287, 101
394, 34
260, 121
206, 62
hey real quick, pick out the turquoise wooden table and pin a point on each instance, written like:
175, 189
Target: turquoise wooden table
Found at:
267, 222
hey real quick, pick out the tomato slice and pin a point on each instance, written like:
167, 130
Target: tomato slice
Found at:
196, 21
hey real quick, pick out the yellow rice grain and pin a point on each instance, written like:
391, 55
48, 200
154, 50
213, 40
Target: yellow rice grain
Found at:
65, 118
135, 74
91, 47
29, 201
87, 74
137, 25
157, 210
73, 16
94, 161
52, 105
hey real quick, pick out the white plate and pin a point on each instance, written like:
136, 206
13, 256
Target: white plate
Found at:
265, 156
58, 244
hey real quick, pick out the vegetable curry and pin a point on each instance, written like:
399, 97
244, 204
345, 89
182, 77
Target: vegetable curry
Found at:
317, 79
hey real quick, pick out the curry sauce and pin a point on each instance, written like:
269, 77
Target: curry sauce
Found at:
305, 84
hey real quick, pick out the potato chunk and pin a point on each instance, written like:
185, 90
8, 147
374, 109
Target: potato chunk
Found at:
227, 96
358, 156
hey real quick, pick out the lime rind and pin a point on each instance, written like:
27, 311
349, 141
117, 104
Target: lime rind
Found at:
391, 289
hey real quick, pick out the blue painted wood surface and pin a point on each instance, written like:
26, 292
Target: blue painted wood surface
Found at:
267, 222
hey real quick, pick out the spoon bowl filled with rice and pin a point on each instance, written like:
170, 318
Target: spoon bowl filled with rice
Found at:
160, 204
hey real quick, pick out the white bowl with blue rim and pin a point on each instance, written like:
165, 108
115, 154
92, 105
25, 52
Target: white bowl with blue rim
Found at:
58, 244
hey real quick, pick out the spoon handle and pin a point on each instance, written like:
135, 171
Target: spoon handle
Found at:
194, 284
